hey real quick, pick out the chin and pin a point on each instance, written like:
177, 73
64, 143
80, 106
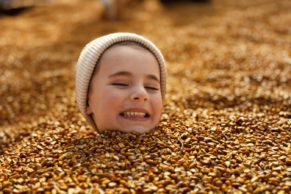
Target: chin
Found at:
138, 130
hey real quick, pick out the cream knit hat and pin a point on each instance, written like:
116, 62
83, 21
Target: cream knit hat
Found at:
92, 53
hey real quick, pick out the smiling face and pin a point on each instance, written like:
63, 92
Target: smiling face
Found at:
125, 91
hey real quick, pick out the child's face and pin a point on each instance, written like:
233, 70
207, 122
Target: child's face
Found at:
125, 91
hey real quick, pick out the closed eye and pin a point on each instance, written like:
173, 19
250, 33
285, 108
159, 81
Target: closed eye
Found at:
151, 88
119, 84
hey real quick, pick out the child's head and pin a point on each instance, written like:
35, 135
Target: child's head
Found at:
120, 83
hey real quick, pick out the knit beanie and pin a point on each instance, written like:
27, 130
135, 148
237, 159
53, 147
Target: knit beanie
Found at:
92, 53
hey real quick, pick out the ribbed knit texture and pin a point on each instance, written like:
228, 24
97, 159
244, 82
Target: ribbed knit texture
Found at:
90, 56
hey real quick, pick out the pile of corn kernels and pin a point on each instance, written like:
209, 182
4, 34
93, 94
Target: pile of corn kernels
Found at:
226, 122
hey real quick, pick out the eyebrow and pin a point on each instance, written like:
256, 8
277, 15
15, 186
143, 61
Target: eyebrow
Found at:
153, 77
120, 73
126, 73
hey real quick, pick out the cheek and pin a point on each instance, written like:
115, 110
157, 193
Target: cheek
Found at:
158, 105
111, 98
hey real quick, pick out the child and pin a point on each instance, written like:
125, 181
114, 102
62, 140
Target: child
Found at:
121, 82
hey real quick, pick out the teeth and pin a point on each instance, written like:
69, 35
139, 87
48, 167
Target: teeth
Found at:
134, 114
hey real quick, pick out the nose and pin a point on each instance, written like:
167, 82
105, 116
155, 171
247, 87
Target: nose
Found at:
139, 94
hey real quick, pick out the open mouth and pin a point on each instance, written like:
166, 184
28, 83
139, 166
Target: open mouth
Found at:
135, 115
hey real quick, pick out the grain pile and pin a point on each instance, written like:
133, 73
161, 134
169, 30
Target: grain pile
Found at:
226, 123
